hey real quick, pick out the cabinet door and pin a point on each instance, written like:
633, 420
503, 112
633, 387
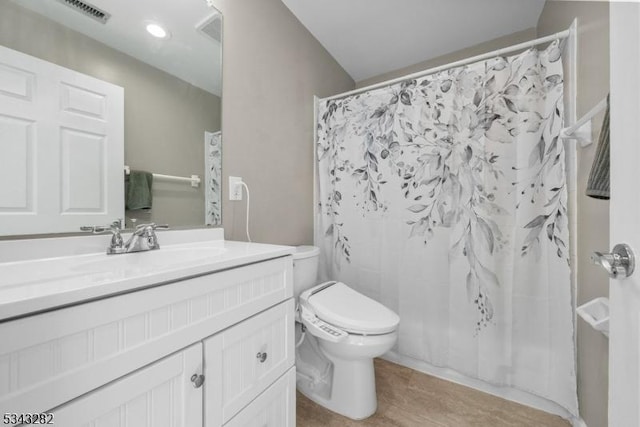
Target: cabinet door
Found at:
245, 360
276, 407
159, 395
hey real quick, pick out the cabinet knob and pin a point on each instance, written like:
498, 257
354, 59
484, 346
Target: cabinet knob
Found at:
261, 356
197, 380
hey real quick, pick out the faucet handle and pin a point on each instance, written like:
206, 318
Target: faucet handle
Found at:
114, 227
144, 238
95, 229
152, 226
117, 243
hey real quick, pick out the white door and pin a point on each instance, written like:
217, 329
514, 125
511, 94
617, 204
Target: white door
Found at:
160, 395
61, 147
624, 340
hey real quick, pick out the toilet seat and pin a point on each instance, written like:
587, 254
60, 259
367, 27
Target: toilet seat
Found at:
340, 306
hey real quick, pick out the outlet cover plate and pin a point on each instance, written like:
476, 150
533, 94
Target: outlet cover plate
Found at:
235, 188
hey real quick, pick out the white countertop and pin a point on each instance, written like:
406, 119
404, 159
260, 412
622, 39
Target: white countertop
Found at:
33, 285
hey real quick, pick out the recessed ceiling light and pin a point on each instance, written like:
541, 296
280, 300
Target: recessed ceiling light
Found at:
158, 31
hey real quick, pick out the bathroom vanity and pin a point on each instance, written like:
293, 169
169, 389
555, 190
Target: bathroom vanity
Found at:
197, 333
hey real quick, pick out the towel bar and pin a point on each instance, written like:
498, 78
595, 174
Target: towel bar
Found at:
581, 129
194, 180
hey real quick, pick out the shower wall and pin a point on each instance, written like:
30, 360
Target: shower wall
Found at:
592, 215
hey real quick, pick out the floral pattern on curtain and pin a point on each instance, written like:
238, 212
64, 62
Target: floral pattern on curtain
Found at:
445, 198
212, 178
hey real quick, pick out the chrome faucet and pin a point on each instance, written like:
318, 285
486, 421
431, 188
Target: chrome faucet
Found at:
143, 237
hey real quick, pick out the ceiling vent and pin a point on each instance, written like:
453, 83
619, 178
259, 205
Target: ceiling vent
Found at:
88, 10
211, 27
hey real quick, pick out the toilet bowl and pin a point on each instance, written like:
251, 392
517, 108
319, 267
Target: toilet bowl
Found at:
348, 329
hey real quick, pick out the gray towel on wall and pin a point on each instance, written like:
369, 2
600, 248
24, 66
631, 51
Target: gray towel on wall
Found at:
137, 190
598, 183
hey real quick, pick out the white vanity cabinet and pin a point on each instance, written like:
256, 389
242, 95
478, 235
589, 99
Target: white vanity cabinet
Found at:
136, 358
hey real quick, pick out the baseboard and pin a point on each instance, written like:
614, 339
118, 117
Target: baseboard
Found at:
506, 393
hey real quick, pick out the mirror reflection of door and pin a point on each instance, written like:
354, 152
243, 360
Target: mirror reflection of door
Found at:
172, 89
61, 147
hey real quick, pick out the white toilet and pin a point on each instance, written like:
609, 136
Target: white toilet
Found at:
348, 329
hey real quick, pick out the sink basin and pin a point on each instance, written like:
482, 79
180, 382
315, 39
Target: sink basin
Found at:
139, 262
102, 268
32, 285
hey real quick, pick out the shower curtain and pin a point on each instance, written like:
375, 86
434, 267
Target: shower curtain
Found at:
445, 199
212, 178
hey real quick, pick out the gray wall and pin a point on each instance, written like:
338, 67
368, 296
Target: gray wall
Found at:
165, 117
272, 67
592, 214
488, 46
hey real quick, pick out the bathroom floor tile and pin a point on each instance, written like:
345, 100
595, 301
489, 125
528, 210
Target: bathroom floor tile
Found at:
408, 398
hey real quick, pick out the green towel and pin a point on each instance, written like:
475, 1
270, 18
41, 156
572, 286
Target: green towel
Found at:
137, 190
598, 183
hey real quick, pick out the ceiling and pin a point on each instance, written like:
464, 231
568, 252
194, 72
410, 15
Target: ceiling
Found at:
372, 37
187, 54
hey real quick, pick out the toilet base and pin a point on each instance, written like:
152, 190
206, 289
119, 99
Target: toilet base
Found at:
353, 390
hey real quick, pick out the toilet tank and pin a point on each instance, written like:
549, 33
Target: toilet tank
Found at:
305, 268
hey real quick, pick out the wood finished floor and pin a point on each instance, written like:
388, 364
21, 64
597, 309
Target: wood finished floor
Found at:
407, 398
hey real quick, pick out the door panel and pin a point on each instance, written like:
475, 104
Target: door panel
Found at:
19, 196
624, 338
61, 147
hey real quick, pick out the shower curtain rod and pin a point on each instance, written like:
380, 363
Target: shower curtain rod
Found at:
561, 35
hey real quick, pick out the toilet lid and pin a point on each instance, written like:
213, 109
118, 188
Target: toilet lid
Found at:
347, 309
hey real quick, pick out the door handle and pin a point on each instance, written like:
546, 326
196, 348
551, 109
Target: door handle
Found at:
619, 264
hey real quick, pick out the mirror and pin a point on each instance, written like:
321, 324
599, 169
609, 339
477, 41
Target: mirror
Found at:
167, 56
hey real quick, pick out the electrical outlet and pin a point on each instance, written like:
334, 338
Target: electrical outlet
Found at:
235, 188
